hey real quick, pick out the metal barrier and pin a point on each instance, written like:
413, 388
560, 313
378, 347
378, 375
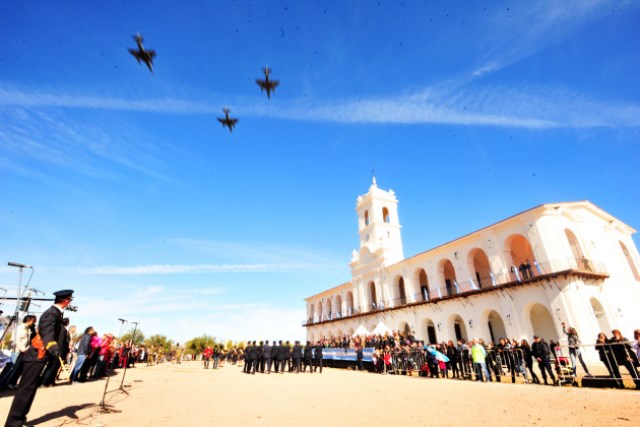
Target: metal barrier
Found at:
618, 366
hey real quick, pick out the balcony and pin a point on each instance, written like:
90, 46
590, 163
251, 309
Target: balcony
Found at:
544, 271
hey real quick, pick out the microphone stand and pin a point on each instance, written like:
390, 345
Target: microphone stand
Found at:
126, 364
104, 407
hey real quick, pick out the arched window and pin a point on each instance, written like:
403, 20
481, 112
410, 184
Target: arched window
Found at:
385, 215
632, 265
366, 218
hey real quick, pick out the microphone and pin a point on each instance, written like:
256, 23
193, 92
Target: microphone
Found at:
17, 264
122, 320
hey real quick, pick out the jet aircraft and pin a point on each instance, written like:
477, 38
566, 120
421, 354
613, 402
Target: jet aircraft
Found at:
227, 121
142, 54
266, 84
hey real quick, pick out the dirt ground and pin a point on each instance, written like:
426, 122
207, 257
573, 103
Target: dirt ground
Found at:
186, 394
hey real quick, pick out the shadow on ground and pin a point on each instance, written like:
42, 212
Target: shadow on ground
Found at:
69, 411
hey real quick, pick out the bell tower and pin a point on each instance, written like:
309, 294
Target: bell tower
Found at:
379, 229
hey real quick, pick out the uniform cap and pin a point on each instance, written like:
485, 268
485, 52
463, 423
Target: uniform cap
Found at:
66, 293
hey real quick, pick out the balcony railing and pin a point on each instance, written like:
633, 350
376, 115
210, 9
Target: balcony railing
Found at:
509, 277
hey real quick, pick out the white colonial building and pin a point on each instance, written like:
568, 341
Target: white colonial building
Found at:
584, 271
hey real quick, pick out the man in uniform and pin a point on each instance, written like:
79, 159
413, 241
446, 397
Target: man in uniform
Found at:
308, 357
317, 357
35, 356
287, 356
53, 364
260, 358
253, 358
275, 354
281, 356
247, 358
296, 355
266, 357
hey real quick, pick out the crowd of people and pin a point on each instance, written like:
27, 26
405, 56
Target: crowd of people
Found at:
89, 356
42, 354
536, 362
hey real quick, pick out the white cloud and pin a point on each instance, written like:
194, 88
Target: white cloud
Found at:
185, 268
458, 103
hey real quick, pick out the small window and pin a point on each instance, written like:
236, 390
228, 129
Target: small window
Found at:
366, 218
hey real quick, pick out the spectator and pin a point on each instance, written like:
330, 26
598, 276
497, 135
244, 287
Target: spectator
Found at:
83, 351
622, 351
540, 351
608, 358
574, 349
479, 355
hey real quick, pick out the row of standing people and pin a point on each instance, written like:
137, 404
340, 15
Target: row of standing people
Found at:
263, 357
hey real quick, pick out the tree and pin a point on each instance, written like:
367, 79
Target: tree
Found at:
159, 341
197, 345
138, 340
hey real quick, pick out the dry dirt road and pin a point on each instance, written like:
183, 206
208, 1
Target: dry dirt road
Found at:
188, 395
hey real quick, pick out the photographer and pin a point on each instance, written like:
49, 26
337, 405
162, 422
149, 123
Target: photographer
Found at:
19, 342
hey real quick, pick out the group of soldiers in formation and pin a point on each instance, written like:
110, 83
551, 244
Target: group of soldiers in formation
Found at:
262, 357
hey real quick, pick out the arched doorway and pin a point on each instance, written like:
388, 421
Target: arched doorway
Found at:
496, 326
329, 308
449, 277
542, 323
430, 332
518, 250
424, 284
319, 311
349, 301
480, 269
400, 295
576, 250
459, 329
601, 316
311, 312
372, 295
338, 306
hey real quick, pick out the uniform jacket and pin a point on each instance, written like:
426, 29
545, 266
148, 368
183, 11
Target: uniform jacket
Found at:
49, 329
297, 351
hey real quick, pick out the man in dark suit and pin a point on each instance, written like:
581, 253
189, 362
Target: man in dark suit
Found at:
317, 357
287, 356
281, 356
296, 355
253, 358
247, 358
308, 357
275, 355
540, 351
266, 357
260, 358
45, 343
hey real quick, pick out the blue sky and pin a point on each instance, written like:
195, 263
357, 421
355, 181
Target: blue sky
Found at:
122, 185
